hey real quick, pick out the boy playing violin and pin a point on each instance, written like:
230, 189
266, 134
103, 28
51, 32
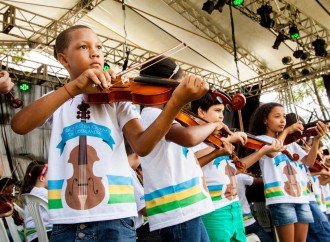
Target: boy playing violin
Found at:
90, 185
175, 193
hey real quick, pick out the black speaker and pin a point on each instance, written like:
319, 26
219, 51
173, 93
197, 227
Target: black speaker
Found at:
326, 81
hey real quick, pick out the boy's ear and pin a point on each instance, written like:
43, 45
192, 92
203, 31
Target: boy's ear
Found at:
200, 112
62, 59
42, 178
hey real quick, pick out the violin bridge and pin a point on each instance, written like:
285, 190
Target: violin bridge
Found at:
124, 79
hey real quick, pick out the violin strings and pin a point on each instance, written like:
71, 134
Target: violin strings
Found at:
181, 46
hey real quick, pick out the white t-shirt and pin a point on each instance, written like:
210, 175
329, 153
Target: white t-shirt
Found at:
30, 228
283, 179
174, 187
326, 194
244, 180
220, 179
139, 198
99, 187
319, 196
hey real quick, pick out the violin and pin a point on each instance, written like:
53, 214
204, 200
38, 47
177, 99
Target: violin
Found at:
84, 190
318, 163
12, 101
309, 131
143, 90
186, 118
6, 207
256, 143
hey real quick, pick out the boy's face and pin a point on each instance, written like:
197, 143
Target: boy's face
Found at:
84, 52
213, 114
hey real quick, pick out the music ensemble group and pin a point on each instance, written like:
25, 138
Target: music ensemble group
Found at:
113, 168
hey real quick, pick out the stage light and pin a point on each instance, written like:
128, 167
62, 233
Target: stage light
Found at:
208, 6
106, 67
265, 20
300, 54
279, 39
286, 75
320, 47
24, 86
220, 4
286, 60
305, 71
236, 3
294, 32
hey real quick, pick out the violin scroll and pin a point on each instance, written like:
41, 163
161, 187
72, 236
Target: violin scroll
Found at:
238, 101
13, 102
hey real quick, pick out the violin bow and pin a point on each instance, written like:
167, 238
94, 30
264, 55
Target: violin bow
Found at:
165, 54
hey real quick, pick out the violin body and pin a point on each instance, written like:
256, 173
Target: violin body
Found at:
292, 186
137, 90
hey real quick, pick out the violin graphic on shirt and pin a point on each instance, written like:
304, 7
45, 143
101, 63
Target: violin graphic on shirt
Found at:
84, 190
291, 186
231, 189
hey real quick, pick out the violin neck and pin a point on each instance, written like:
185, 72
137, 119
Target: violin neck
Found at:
312, 124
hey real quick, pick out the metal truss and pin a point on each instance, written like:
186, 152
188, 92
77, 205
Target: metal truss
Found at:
34, 72
275, 81
285, 14
26, 25
115, 51
186, 9
48, 34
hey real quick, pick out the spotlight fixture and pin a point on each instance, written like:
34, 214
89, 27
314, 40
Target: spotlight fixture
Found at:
279, 39
265, 20
208, 6
286, 75
220, 4
286, 60
320, 47
300, 54
294, 32
305, 71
